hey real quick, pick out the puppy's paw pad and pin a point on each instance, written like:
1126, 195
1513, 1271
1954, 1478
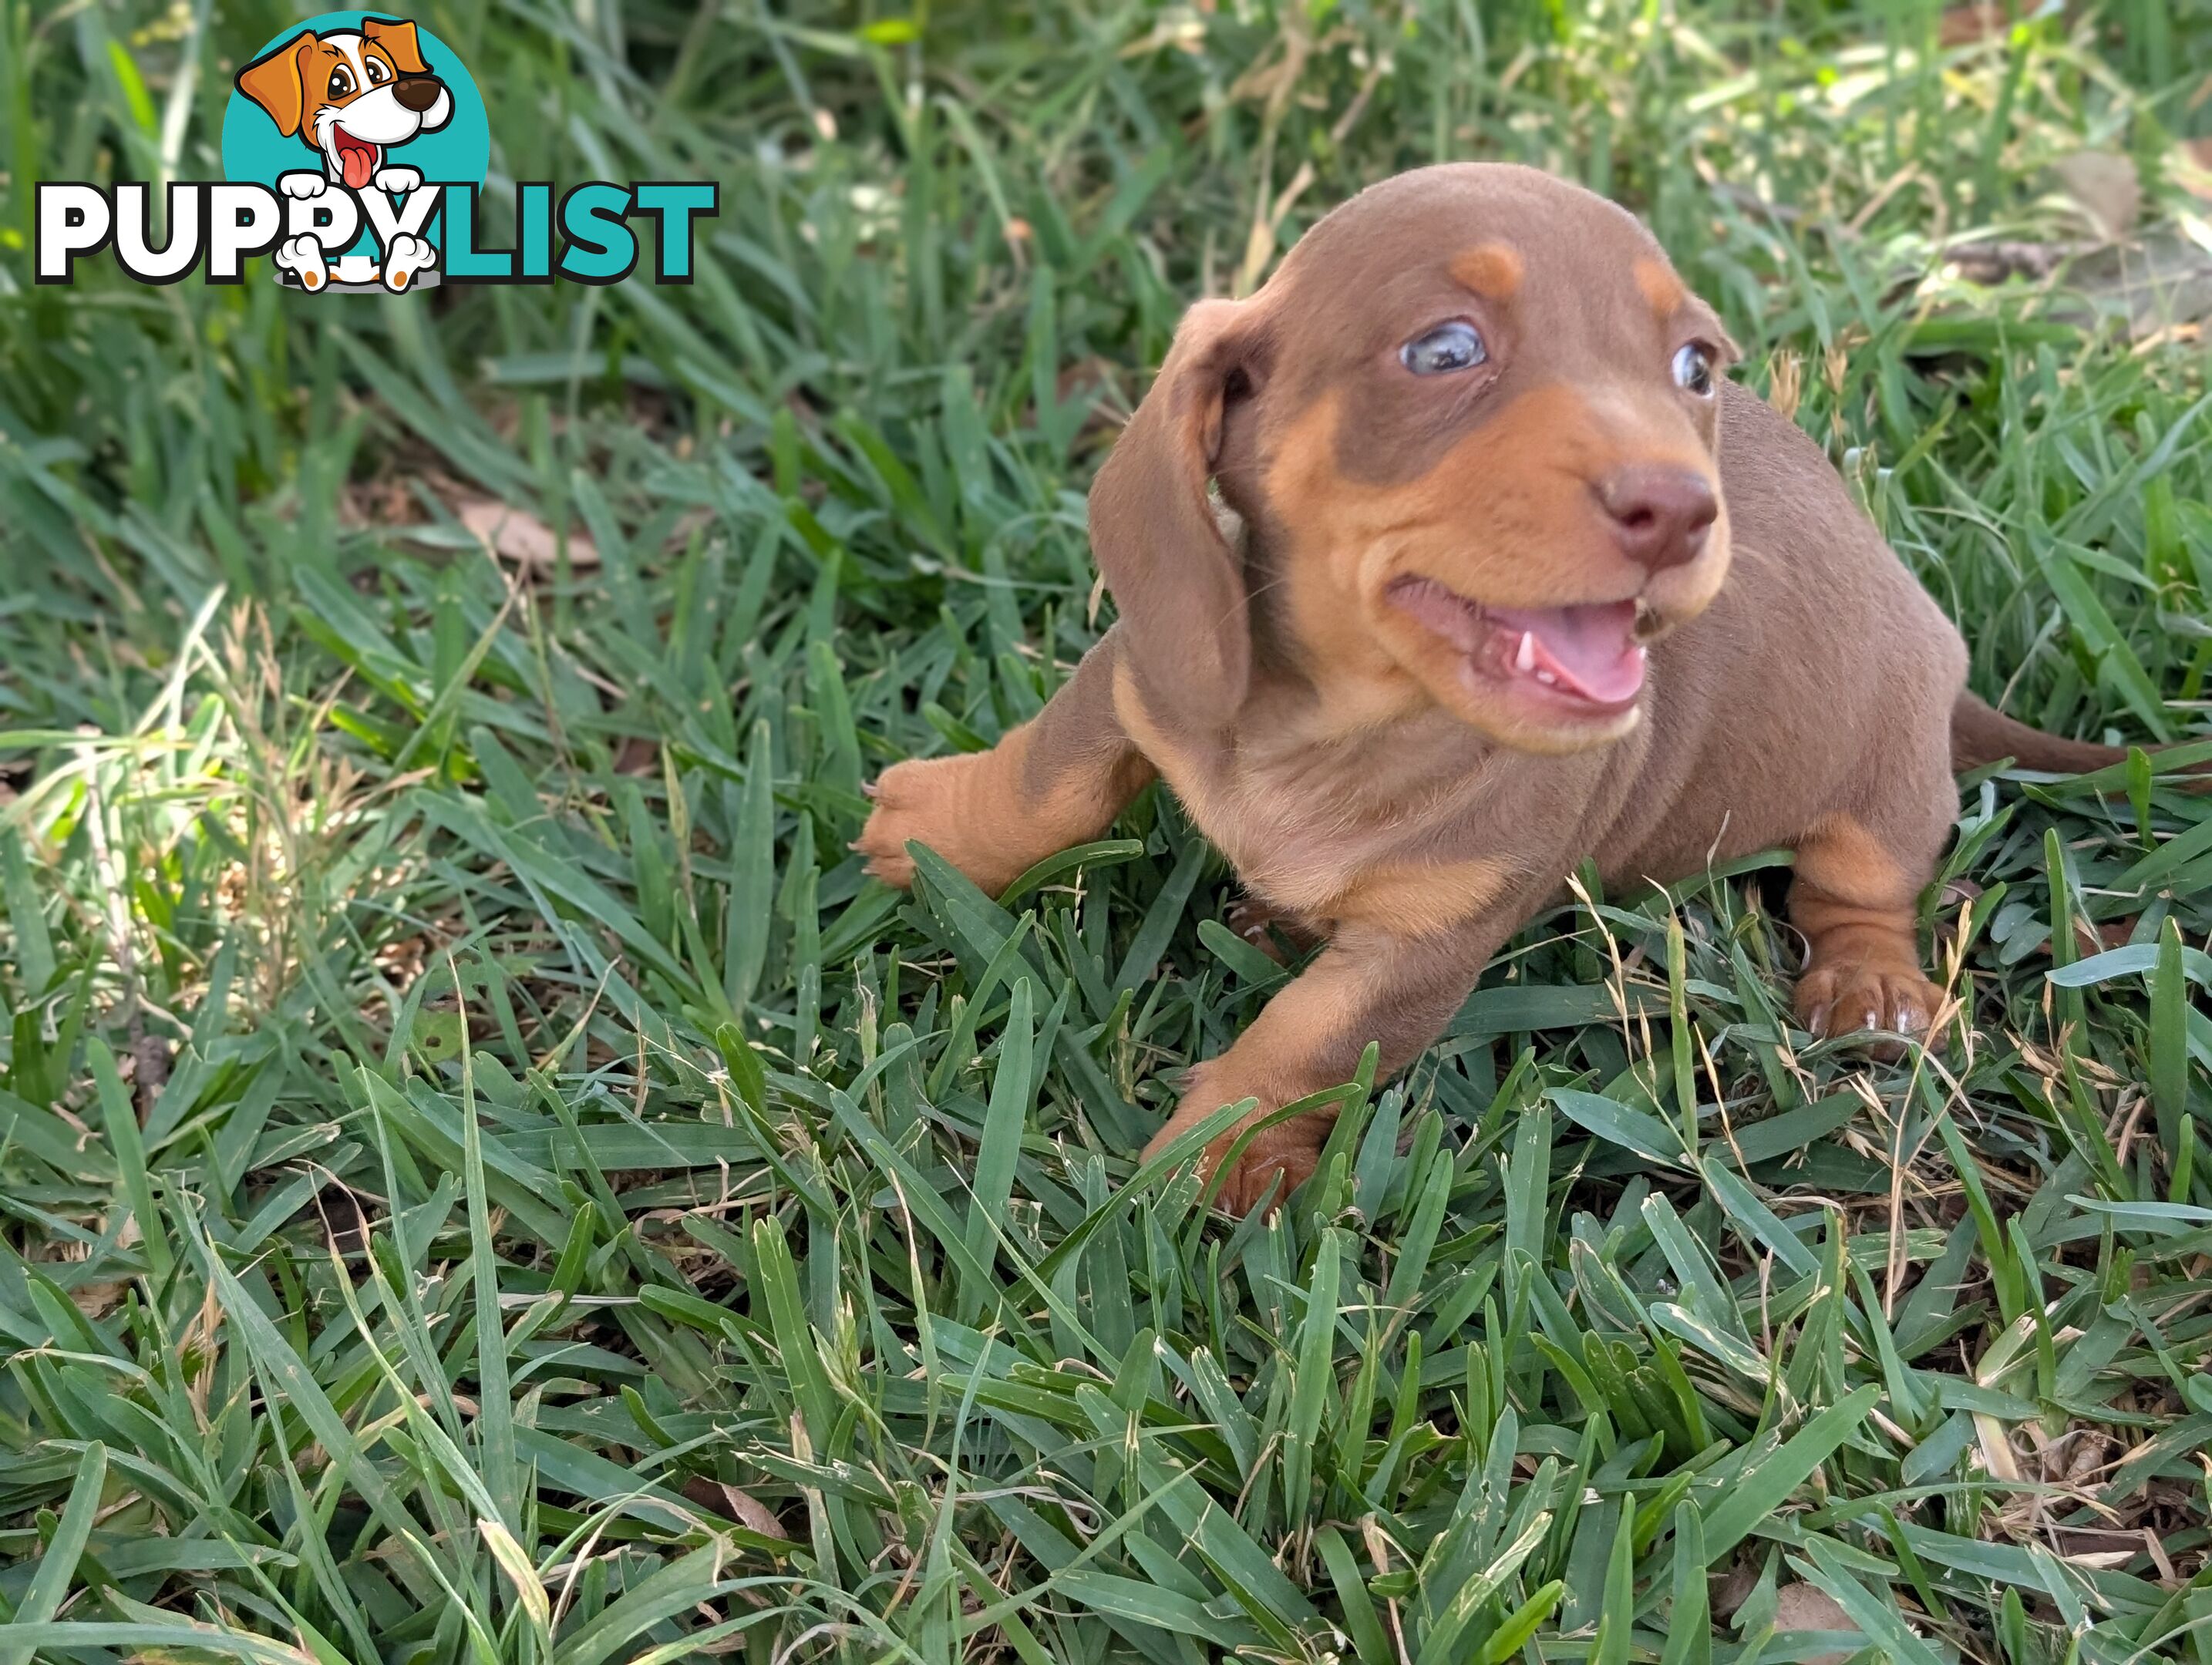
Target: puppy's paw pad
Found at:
302, 184
395, 181
303, 257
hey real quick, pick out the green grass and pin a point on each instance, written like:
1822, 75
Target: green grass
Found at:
486, 1179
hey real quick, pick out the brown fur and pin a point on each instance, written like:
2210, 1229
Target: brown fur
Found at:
1980, 735
1367, 780
1057, 780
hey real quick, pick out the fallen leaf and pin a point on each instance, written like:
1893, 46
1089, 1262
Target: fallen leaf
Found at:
2105, 186
96, 1300
1809, 1608
742, 1507
2160, 282
517, 535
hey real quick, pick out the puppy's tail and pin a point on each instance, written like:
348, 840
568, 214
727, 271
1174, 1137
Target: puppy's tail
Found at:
1981, 734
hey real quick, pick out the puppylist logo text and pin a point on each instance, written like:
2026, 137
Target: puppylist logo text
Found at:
354, 150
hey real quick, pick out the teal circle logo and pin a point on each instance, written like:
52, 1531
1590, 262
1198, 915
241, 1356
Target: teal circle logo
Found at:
357, 119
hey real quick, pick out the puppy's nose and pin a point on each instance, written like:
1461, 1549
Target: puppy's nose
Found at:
418, 93
1660, 514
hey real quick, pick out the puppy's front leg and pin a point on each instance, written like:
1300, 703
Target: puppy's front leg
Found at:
1057, 779
1394, 975
1853, 898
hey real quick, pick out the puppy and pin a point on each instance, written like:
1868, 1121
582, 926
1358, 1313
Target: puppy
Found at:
351, 96
1512, 577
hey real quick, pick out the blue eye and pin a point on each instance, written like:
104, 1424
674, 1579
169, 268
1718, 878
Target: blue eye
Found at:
1693, 370
1448, 348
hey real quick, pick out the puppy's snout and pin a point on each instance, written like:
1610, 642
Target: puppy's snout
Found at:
418, 93
1660, 514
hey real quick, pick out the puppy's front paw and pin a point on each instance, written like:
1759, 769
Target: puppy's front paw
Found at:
406, 259
1277, 1160
1838, 998
396, 181
303, 258
948, 804
1272, 1166
302, 184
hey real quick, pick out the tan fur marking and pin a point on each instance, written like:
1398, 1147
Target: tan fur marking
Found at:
981, 813
1492, 270
1660, 286
1287, 1054
1425, 900
1854, 902
1530, 538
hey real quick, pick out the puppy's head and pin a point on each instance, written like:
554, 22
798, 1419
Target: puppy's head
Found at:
1469, 426
351, 94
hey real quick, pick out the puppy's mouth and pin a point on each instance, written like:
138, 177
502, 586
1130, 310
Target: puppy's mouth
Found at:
357, 158
1583, 658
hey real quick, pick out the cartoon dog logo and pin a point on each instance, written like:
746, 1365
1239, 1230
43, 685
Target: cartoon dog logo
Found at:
352, 96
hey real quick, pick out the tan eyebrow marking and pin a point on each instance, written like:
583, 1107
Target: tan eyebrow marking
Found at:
1661, 287
1492, 270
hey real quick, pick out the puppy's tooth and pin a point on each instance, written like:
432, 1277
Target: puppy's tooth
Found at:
1526, 658
1547, 679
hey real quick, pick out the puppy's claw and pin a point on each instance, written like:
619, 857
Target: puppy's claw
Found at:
1835, 1000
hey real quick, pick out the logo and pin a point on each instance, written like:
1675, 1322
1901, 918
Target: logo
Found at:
355, 151
365, 108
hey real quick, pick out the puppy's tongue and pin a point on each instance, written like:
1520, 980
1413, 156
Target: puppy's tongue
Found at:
359, 161
1590, 650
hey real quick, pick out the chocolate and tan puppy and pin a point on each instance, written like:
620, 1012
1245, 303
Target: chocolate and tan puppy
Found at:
1511, 577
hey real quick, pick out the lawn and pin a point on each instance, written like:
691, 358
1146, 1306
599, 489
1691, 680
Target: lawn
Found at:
486, 1178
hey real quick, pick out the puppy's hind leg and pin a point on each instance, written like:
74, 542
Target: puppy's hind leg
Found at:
1853, 898
1056, 781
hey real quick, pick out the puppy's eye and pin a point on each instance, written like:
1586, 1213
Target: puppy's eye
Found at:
377, 75
341, 81
1693, 370
1449, 347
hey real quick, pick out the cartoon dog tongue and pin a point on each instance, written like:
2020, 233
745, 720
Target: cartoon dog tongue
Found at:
358, 160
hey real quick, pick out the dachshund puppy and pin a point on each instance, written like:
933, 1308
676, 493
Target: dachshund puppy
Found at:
1508, 577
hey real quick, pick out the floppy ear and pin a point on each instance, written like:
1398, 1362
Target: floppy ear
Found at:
278, 83
399, 39
1175, 580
